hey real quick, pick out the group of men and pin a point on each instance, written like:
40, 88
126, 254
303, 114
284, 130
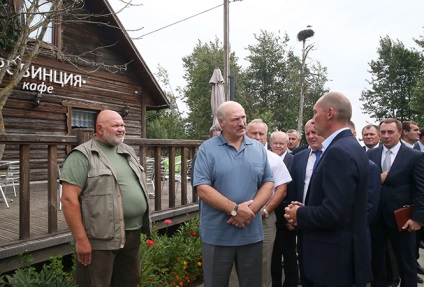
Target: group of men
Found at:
327, 207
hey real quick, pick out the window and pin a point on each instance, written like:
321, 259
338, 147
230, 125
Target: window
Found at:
83, 119
38, 9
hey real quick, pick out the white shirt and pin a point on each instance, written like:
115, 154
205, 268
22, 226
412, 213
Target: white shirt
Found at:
421, 146
308, 173
279, 170
407, 144
283, 156
394, 150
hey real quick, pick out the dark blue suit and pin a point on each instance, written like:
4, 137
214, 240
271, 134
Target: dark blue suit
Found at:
333, 223
404, 185
284, 245
374, 192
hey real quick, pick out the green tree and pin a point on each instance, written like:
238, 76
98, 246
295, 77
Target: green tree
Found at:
199, 66
417, 102
272, 82
166, 124
394, 77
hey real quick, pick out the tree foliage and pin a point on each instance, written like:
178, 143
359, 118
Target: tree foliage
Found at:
272, 82
394, 78
166, 124
199, 67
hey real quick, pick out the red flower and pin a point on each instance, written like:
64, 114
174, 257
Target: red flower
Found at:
150, 242
167, 221
193, 234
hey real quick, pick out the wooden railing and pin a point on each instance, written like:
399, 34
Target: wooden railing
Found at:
146, 147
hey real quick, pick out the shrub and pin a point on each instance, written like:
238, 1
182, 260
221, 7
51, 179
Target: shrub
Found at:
172, 260
165, 260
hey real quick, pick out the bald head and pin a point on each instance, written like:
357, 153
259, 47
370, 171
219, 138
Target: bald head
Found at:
331, 112
340, 103
232, 118
110, 128
278, 142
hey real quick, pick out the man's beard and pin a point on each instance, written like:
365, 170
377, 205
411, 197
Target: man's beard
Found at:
112, 139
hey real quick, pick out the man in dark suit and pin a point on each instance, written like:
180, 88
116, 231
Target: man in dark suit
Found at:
333, 221
370, 136
419, 145
402, 180
302, 167
285, 240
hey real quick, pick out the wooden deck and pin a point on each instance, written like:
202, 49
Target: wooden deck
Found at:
42, 244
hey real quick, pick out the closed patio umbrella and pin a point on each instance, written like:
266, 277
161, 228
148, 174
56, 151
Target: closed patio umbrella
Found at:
218, 93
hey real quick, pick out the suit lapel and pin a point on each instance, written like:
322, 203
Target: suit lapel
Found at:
399, 157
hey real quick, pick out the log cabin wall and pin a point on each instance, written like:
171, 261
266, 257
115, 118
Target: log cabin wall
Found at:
88, 86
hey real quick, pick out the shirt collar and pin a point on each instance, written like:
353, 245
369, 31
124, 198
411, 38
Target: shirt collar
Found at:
328, 140
394, 149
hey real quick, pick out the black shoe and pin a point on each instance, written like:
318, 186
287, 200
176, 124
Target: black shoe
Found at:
419, 280
420, 270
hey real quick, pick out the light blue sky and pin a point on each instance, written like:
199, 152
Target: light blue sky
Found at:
346, 37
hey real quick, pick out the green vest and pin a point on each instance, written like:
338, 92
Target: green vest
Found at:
101, 199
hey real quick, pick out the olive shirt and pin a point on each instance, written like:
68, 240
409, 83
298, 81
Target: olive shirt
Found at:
75, 171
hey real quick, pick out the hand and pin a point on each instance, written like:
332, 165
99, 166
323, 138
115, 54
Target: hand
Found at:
83, 249
244, 215
383, 176
290, 226
411, 226
291, 211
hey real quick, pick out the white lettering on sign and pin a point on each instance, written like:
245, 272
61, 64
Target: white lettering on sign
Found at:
47, 76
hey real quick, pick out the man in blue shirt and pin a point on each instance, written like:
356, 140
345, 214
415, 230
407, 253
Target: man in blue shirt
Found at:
234, 181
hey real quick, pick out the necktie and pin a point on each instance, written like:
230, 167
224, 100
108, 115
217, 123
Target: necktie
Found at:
387, 162
318, 156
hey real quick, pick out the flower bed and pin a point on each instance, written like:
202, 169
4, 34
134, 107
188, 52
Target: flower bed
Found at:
165, 260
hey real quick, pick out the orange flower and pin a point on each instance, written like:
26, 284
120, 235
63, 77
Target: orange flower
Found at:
177, 277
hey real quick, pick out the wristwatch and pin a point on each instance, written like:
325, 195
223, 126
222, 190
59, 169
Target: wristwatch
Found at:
234, 211
266, 213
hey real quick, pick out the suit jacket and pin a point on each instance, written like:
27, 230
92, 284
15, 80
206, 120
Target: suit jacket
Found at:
297, 172
288, 160
299, 149
279, 210
417, 146
374, 192
333, 222
404, 184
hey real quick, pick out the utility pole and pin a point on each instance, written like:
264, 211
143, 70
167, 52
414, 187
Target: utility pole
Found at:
226, 47
303, 36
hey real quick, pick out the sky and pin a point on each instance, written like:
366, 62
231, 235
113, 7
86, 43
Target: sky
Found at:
346, 39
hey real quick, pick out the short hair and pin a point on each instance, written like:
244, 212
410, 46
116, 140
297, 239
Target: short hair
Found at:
258, 121
406, 125
213, 128
340, 103
367, 127
299, 135
421, 133
392, 120
286, 136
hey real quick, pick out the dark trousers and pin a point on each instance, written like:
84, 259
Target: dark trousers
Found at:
113, 267
403, 244
284, 246
218, 262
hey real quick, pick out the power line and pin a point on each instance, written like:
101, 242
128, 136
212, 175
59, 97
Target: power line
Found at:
180, 21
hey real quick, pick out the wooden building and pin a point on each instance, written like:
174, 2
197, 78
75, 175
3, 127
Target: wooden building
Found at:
87, 68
